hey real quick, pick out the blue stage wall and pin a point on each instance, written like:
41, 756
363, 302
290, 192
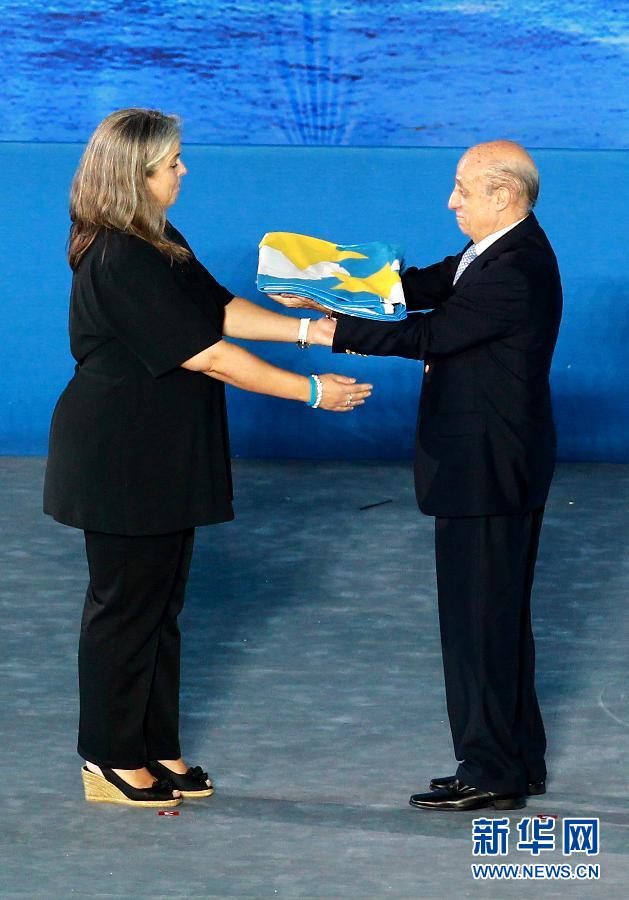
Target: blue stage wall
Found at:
234, 194
414, 73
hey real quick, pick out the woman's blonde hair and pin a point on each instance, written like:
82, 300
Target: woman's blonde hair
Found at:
110, 188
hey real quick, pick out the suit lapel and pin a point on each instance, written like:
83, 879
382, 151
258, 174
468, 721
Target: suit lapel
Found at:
511, 238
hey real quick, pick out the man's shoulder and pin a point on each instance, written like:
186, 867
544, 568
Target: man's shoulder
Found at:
526, 267
530, 235
525, 246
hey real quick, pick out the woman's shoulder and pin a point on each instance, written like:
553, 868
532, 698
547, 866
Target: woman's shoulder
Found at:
116, 254
112, 240
173, 234
124, 243
113, 249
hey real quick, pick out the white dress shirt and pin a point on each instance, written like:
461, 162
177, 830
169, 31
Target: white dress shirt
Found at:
491, 238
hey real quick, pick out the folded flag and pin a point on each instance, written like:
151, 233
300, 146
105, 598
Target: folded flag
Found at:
356, 279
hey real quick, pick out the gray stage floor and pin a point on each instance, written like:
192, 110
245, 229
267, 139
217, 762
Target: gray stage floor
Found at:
313, 692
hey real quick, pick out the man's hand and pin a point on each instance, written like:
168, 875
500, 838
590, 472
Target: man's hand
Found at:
295, 301
321, 332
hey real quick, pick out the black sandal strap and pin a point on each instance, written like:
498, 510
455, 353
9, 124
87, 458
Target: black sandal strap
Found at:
161, 789
195, 779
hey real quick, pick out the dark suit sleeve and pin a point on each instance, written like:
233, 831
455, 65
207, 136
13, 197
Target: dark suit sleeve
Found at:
494, 306
428, 288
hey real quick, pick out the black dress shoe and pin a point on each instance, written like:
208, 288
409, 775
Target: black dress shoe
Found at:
533, 788
459, 796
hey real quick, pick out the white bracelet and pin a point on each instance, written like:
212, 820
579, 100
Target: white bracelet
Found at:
302, 337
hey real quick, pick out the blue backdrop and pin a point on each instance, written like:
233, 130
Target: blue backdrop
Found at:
233, 194
336, 118
440, 73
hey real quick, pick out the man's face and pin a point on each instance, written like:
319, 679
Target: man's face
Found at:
475, 209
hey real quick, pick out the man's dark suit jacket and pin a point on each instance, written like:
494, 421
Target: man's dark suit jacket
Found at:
485, 434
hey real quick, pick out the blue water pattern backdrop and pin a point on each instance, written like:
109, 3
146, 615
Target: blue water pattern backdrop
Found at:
365, 72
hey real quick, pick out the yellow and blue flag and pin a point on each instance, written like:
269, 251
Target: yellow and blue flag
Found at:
355, 279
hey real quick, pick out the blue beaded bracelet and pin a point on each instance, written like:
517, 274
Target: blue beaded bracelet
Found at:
316, 391
313, 391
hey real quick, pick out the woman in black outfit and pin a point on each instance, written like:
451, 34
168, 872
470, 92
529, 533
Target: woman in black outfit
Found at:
139, 451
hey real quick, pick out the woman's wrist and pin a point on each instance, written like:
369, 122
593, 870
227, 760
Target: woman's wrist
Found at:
305, 389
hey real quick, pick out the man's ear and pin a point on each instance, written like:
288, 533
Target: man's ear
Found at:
502, 197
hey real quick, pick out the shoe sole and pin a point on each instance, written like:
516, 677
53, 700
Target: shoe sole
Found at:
505, 804
99, 790
192, 794
509, 804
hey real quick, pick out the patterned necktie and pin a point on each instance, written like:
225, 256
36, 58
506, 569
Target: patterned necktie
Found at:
469, 255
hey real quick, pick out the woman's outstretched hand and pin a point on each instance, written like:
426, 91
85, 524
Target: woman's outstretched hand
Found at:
295, 301
342, 394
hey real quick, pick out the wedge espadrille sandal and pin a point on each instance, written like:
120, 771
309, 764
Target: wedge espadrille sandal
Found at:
193, 784
110, 788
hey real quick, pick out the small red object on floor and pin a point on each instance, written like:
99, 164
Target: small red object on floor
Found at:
168, 812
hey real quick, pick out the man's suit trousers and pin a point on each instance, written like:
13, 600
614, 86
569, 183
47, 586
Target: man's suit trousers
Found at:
129, 648
485, 568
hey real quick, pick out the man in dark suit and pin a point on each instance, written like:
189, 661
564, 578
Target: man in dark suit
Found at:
485, 455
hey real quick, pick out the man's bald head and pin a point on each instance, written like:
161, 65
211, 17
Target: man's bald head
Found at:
506, 164
496, 185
